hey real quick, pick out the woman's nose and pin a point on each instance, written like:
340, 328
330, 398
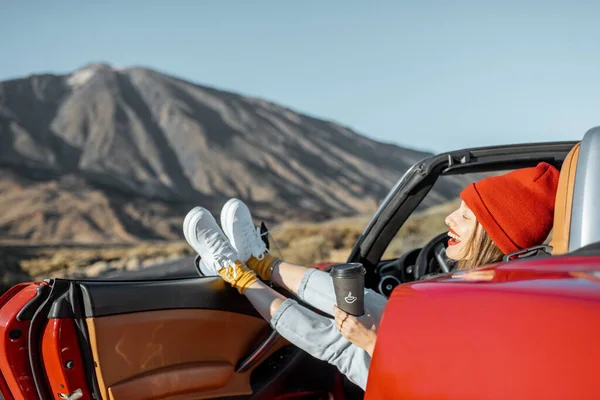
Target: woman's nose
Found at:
451, 220
448, 220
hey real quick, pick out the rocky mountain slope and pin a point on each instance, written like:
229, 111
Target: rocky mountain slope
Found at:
112, 155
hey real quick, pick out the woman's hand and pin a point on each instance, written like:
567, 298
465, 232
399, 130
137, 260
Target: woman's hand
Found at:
353, 330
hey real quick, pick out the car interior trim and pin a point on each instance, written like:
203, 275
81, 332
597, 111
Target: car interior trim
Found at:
259, 353
102, 298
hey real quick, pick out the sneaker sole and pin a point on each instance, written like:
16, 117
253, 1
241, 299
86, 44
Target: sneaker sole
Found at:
193, 222
186, 221
186, 224
227, 212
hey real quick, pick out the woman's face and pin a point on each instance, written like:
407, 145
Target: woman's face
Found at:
462, 224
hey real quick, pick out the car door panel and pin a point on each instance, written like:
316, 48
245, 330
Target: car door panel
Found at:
127, 347
194, 338
180, 338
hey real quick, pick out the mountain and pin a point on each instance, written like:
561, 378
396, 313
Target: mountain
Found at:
111, 155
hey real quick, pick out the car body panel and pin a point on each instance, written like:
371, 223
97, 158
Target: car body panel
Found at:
14, 349
523, 329
63, 363
194, 338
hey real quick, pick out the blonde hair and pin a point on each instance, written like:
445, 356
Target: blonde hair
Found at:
480, 250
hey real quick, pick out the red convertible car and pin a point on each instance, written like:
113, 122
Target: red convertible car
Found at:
526, 328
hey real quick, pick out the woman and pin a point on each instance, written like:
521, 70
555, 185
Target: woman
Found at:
498, 215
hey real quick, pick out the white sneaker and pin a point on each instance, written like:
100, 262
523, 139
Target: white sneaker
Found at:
204, 235
204, 269
237, 224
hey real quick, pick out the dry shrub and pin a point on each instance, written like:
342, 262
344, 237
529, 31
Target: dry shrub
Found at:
306, 250
51, 262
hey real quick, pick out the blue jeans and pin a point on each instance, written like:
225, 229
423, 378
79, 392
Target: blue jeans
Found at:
318, 335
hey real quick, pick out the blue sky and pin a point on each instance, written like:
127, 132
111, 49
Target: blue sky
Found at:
433, 75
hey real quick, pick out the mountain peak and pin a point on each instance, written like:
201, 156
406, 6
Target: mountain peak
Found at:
98, 65
84, 74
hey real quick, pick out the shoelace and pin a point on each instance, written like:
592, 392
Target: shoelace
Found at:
218, 245
262, 248
252, 236
230, 270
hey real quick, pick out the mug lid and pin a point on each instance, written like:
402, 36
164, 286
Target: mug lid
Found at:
347, 270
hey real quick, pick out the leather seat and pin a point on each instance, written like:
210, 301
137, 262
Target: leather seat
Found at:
564, 203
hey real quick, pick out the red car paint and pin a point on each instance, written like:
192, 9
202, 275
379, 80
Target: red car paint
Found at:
520, 330
14, 356
62, 358
9, 294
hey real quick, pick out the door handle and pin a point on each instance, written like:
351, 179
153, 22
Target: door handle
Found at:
258, 353
73, 396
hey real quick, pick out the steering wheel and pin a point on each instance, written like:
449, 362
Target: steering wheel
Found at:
435, 248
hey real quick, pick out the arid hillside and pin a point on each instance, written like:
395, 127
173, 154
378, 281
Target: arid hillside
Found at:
106, 155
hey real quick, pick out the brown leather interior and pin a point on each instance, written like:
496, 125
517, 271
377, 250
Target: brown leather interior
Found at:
179, 354
564, 203
184, 378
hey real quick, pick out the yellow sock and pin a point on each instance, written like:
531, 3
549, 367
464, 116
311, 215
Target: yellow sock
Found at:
241, 279
262, 267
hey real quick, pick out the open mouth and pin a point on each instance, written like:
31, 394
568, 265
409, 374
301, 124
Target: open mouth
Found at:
453, 239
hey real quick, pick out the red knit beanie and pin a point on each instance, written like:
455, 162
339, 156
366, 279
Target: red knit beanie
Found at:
515, 209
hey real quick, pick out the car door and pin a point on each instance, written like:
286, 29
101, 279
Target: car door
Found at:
193, 338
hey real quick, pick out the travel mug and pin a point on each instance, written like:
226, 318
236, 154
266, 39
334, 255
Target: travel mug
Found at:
349, 286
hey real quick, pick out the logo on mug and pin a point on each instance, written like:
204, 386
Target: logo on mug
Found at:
350, 299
